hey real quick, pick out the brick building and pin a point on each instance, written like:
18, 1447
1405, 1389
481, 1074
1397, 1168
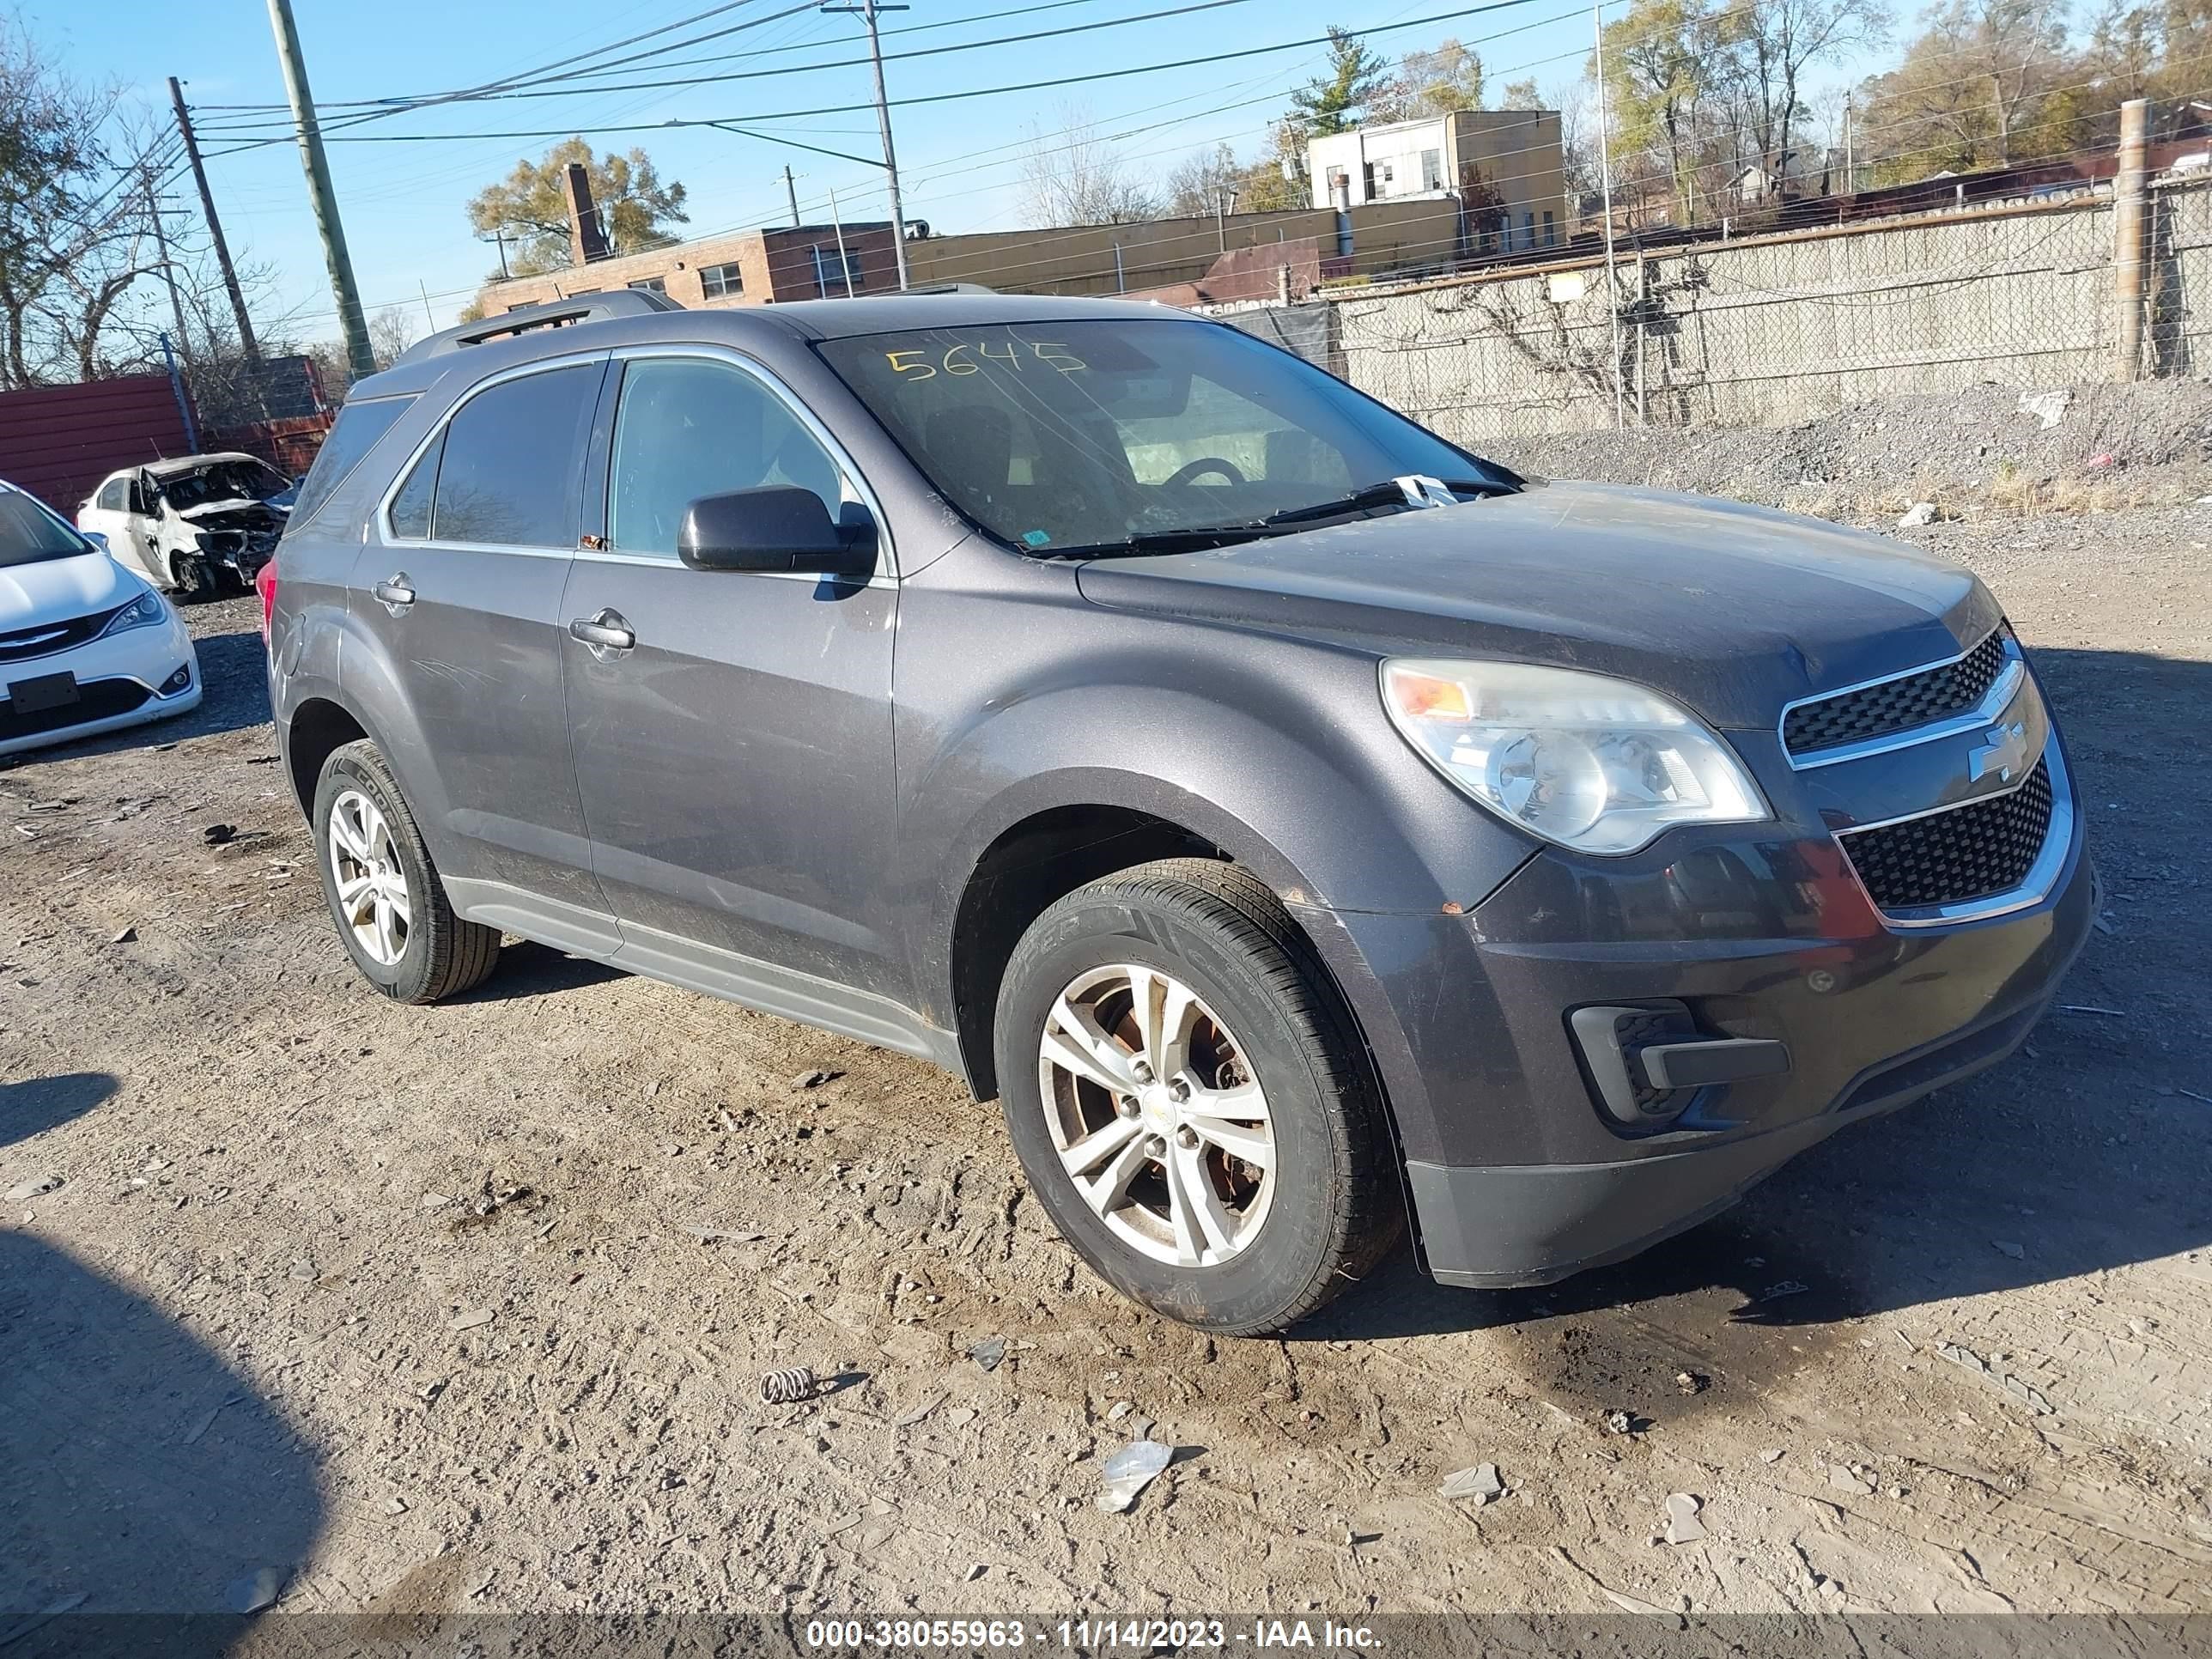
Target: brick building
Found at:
738, 268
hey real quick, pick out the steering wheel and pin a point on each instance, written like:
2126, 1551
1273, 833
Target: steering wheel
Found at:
1205, 464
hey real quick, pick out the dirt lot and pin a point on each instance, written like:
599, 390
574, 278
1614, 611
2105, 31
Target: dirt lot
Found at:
261, 1324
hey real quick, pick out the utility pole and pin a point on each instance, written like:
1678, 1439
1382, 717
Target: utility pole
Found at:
844, 259
867, 10
320, 196
791, 191
168, 270
1851, 173
1605, 176
215, 228
2131, 220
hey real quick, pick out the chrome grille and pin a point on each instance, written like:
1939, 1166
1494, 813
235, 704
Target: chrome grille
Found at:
1898, 705
21, 644
1973, 852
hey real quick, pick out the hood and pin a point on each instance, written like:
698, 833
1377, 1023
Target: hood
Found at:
55, 590
1731, 609
245, 505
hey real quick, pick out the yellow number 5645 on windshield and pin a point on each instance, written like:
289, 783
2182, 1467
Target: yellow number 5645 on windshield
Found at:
926, 362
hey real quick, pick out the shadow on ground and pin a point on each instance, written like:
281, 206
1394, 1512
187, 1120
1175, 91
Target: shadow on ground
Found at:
2083, 1153
144, 1475
36, 1104
527, 968
235, 695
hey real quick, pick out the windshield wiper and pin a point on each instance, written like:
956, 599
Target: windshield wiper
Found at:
1196, 539
1389, 492
1199, 538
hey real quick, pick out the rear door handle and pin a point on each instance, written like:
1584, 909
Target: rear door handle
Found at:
395, 593
605, 632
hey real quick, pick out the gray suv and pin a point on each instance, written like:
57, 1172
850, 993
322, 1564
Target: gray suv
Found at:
1307, 829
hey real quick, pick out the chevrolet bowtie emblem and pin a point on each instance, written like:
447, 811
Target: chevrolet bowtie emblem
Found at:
2007, 748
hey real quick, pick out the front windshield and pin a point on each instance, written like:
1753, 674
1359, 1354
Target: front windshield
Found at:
30, 535
1055, 436
226, 481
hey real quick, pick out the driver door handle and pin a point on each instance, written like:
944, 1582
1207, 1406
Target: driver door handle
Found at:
395, 593
606, 631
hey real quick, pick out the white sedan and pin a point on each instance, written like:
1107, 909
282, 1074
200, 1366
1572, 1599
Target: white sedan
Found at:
86, 646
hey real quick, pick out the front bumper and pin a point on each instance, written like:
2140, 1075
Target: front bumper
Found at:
120, 678
1519, 1176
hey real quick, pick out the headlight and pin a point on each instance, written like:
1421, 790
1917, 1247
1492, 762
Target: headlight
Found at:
1592, 764
144, 611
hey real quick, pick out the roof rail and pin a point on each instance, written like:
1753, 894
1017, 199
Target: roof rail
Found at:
555, 313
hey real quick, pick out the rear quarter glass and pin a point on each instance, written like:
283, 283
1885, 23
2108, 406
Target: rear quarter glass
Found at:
360, 425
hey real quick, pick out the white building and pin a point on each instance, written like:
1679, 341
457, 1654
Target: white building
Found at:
1502, 165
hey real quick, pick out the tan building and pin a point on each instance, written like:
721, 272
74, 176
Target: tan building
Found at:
1503, 166
753, 267
741, 267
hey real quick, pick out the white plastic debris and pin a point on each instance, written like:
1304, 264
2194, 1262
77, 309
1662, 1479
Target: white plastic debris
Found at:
1918, 515
2048, 407
1683, 1526
1477, 1485
1128, 1472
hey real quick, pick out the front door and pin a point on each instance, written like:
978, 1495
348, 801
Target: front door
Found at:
735, 761
460, 586
117, 513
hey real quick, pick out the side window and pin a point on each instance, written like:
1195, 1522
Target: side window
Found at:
136, 497
411, 507
687, 428
512, 458
114, 495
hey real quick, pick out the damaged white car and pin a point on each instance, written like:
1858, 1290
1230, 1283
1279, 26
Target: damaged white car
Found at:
197, 524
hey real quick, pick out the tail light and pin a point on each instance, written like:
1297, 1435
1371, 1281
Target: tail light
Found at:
265, 582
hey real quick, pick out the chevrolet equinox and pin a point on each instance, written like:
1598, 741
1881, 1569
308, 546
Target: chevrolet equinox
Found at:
1306, 829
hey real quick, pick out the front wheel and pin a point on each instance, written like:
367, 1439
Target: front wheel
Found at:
391, 912
1185, 1092
193, 577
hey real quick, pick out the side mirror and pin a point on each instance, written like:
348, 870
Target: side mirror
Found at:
775, 527
95, 537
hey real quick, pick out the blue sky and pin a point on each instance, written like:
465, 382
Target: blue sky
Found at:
404, 203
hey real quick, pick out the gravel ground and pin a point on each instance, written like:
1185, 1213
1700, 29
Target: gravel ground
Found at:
1973, 453
465, 1308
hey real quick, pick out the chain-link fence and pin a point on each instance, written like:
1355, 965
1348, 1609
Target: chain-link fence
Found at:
1785, 328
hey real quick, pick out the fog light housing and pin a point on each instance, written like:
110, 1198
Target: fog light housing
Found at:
179, 681
1649, 1062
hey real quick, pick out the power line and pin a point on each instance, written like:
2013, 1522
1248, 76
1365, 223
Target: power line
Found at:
863, 62
755, 118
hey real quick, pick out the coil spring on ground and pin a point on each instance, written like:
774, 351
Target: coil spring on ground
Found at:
787, 1387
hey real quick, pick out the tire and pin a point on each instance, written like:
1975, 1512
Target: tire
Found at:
193, 577
1275, 1243
436, 954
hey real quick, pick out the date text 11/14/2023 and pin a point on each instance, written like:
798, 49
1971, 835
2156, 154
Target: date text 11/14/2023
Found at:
1086, 1635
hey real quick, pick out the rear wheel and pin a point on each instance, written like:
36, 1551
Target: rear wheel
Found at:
1189, 1101
390, 910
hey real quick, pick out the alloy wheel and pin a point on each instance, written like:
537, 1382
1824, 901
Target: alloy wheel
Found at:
370, 882
1157, 1115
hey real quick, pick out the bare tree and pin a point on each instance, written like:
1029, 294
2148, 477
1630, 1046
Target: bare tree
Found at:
1073, 176
73, 229
391, 331
1202, 179
1971, 88
1764, 47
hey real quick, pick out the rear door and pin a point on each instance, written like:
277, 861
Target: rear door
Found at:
734, 762
459, 587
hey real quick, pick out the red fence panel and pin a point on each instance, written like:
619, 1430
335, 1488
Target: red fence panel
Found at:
59, 441
289, 445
